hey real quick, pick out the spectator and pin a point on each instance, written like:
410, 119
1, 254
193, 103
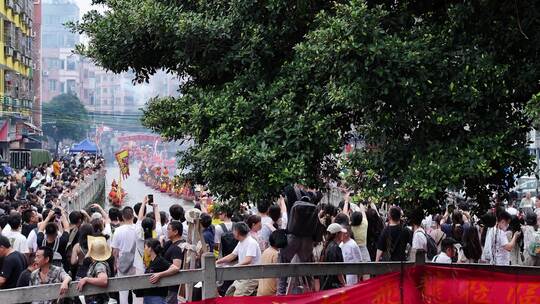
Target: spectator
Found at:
177, 213
80, 250
359, 228
158, 264
146, 228
124, 247
436, 233
419, 240
375, 228
471, 251
99, 271
30, 220
527, 203
332, 253
13, 233
266, 221
51, 236
175, 256
497, 247
115, 215
14, 263
24, 278
48, 273
254, 223
224, 214
208, 231
392, 244
277, 241
248, 252
351, 254
529, 233
537, 210
448, 251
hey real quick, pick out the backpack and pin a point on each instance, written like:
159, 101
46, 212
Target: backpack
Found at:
57, 257
303, 219
228, 242
126, 259
534, 247
431, 247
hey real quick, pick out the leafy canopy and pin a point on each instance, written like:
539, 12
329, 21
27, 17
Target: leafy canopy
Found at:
274, 89
65, 117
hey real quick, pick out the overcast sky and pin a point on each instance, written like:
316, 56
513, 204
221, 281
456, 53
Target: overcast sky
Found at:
84, 5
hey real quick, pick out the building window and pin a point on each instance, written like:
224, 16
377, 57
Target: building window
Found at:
71, 65
71, 86
52, 85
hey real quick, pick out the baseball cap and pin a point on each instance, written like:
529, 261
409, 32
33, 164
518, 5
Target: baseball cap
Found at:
335, 228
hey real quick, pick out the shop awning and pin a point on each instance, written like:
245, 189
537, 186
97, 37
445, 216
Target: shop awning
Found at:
32, 127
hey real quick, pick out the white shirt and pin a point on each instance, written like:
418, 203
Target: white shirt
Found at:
124, 237
184, 230
351, 254
16, 239
512, 210
219, 231
442, 258
31, 241
248, 248
419, 240
502, 256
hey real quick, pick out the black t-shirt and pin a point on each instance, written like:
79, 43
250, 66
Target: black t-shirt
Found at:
27, 228
399, 238
159, 264
24, 278
14, 264
173, 252
62, 243
332, 254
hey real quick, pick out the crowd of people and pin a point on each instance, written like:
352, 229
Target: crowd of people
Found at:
42, 244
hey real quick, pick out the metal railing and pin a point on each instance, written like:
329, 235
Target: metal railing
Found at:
93, 186
209, 274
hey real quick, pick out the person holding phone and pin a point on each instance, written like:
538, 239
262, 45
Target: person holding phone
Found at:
146, 228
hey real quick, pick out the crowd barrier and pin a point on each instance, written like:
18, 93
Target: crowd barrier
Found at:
88, 192
394, 282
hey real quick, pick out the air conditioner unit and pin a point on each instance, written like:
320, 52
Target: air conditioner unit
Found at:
33, 34
10, 4
8, 51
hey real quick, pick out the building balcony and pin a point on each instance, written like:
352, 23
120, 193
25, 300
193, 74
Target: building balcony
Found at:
10, 106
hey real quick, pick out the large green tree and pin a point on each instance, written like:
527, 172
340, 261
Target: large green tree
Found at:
65, 117
274, 89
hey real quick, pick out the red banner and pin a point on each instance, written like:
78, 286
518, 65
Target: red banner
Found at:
421, 284
139, 137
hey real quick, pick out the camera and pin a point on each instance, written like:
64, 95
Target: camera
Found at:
150, 199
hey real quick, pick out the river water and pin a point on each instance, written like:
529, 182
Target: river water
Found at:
136, 189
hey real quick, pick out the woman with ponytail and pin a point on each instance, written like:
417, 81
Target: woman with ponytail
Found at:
332, 253
156, 295
146, 230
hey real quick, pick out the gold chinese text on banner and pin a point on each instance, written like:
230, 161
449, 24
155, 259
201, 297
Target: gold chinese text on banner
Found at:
122, 157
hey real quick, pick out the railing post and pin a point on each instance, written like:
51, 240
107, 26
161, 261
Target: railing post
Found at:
420, 257
209, 289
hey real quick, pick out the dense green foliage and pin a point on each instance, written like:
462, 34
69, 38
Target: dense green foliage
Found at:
65, 117
274, 89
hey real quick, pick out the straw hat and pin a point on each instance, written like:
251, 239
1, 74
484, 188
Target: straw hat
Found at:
192, 215
98, 249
